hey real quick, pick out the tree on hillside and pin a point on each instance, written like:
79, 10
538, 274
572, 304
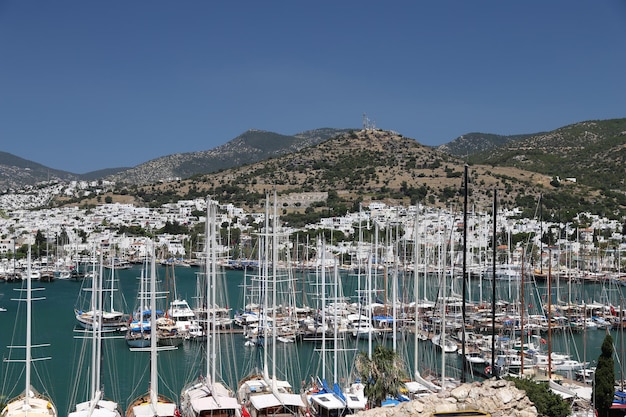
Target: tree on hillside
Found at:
604, 381
383, 374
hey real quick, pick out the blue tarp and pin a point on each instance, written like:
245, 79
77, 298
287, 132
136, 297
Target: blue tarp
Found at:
387, 319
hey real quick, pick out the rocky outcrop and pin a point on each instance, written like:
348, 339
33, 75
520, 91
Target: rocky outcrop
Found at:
498, 397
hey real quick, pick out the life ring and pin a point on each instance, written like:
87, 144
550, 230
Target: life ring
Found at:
488, 370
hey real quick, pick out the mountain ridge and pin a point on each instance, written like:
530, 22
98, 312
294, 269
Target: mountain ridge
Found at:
376, 164
250, 146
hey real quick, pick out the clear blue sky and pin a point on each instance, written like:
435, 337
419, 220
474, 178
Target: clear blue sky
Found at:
86, 85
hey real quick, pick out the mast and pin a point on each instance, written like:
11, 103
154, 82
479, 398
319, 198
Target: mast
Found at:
211, 271
96, 347
416, 253
370, 291
323, 306
442, 288
464, 284
549, 314
154, 378
394, 295
29, 301
265, 284
493, 282
522, 318
335, 324
274, 283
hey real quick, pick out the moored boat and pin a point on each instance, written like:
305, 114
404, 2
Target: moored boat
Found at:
152, 403
30, 403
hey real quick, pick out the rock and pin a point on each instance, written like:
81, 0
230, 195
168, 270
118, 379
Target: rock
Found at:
505, 395
461, 392
498, 397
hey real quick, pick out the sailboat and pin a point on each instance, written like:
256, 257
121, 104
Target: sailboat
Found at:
326, 399
263, 393
139, 328
96, 405
207, 396
111, 317
30, 402
152, 403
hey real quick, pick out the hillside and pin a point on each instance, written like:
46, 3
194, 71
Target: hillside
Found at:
472, 143
371, 165
592, 152
15, 172
249, 147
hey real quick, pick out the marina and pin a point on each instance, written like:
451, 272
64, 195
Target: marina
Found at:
125, 373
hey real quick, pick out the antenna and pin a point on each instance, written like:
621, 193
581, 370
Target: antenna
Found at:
367, 123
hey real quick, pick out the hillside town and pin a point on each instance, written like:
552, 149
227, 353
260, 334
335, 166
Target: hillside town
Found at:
594, 241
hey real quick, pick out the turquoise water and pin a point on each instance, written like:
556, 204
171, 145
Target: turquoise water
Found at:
125, 373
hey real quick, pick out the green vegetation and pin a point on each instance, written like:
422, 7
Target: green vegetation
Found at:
603, 388
383, 374
548, 403
592, 153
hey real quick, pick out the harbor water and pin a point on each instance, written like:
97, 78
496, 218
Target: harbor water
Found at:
126, 373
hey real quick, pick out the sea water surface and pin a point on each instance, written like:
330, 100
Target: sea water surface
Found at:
125, 374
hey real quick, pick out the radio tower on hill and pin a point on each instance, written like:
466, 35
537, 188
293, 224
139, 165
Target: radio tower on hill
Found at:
367, 123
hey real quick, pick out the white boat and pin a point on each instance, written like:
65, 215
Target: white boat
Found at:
361, 326
30, 403
96, 405
179, 314
182, 315
152, 403
447, 345
207, 396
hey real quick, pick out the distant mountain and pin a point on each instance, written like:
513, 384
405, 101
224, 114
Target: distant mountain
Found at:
102, 173
472, 143
591, 152
360, 166
249, 147
580, 167
375, 165
15, 172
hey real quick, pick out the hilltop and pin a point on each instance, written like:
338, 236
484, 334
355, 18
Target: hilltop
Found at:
370, 165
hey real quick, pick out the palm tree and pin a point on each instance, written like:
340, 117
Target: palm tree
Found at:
383, 374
